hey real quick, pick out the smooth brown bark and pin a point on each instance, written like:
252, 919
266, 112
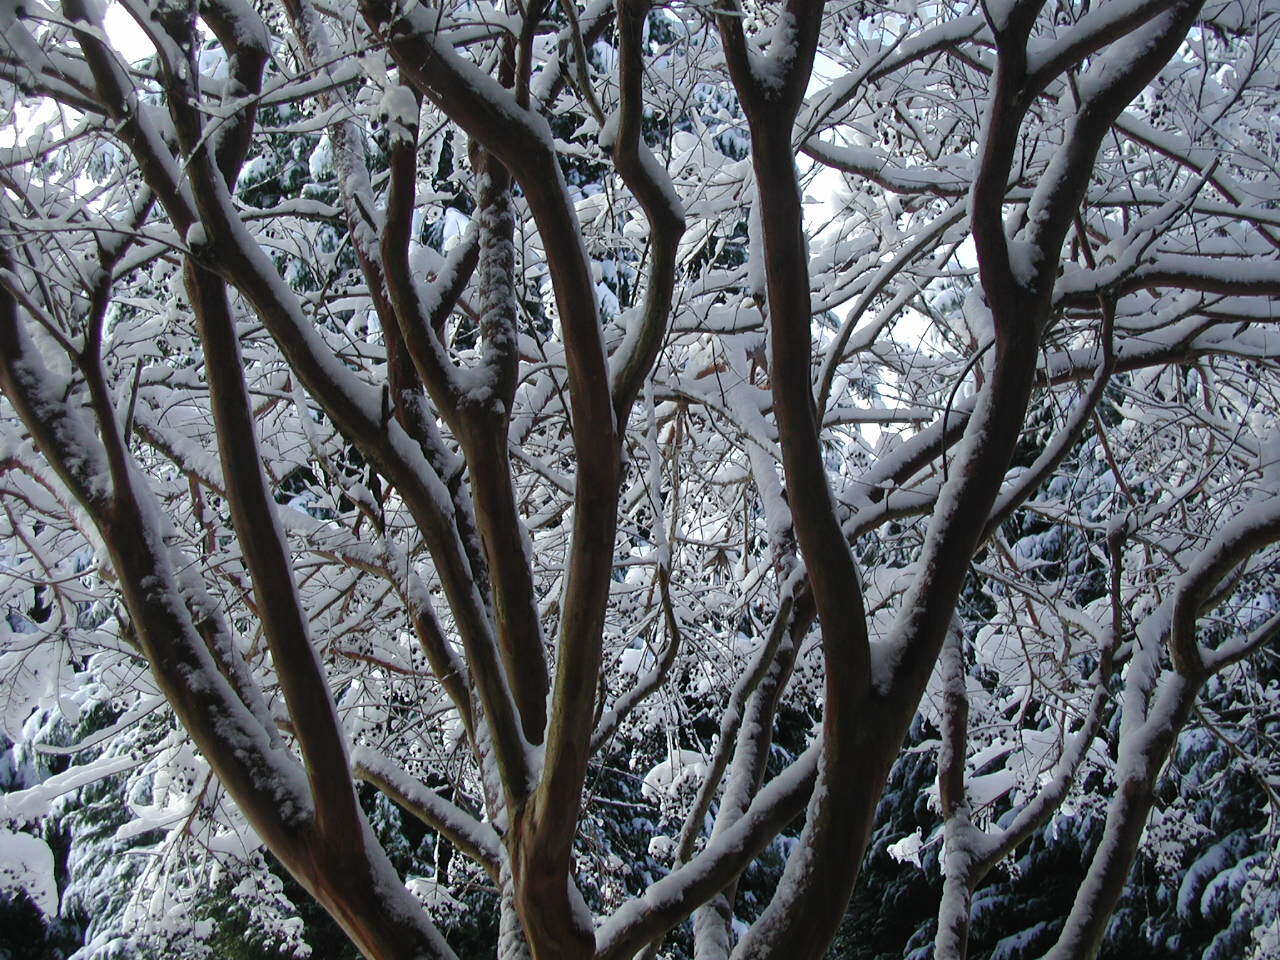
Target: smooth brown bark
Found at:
479, 550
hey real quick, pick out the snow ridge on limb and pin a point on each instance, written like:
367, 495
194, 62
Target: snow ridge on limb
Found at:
475, 401
1098, 28
477, 840
671, 899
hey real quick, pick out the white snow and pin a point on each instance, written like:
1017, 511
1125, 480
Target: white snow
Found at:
907, 850
26, 865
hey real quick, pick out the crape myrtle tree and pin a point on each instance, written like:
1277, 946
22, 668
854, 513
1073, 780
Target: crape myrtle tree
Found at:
542, 430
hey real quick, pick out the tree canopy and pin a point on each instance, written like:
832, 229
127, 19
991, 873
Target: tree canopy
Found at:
624, 438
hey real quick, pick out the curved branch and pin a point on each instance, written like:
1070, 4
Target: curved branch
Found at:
477, 840
652, 187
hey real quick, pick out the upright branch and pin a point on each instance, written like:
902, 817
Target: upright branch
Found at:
649, 182
310, 704
820, 875
520, 139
